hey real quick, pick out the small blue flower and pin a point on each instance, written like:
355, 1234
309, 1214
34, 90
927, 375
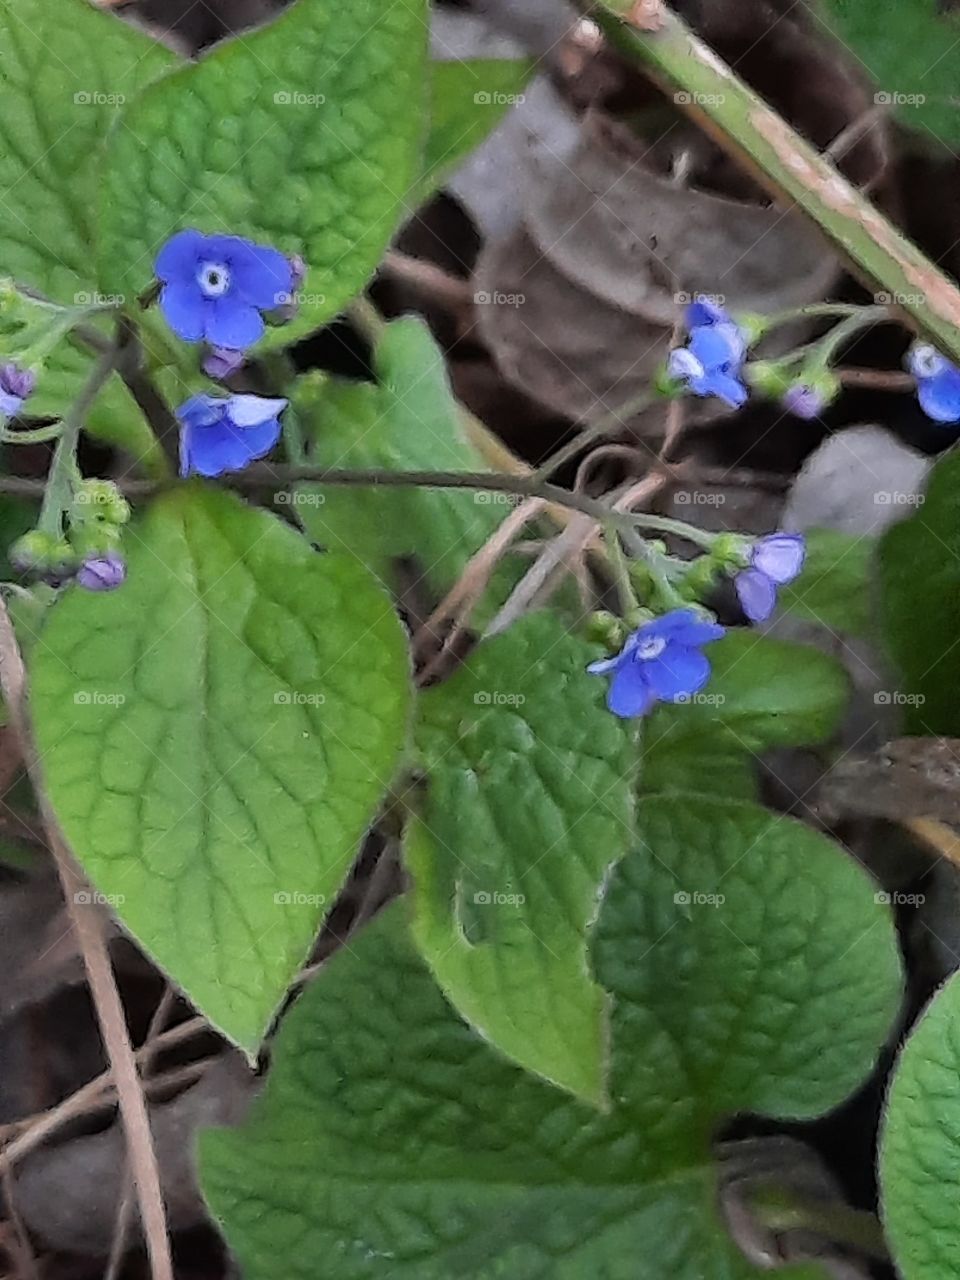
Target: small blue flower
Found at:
938, 383
804, 401
661, 662
775, 560
710, 363
223, 434
102, 573
15, 386
215, 287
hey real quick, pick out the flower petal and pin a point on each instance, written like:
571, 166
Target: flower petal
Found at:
629, 694
757, 594
212, 450
259, 440
683, 364
780, 556
259, 273
702, 312
252, 411
682, 626
232, 323
718, 346
184, 309
678, 672
939, 396
724, 387
603, 666
177, 260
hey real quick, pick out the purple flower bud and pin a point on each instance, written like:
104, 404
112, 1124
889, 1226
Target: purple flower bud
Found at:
102, 573
803, 401
221, 362
15, 386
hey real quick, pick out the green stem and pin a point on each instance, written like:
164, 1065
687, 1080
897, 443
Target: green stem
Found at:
620, 570
788, 166
38, 435
63, 469
597, 431
816, 311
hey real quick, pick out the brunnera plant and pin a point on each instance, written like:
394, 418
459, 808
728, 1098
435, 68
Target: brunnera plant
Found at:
607, 945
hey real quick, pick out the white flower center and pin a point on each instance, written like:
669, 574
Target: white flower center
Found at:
925, 361
651, 648
214, 279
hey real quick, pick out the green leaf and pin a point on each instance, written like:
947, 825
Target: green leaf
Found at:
215, 738
920, 1145
241, 142
468, 101
912, 53
530, 802
920, 605
410, 422
833, 586
64, 70
762, 693
776, 1001
714, 763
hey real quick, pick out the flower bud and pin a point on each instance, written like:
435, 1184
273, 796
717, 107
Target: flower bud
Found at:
102, 573
98, 502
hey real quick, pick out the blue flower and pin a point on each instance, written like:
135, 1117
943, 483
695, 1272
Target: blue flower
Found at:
215, 287
938, 383
102, 573
775, 560
15, 386
711, 361
661, 662
804, 401
224, 434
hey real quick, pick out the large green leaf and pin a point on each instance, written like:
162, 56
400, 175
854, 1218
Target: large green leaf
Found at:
468, 99
65, 68
305, 134
912, 52
833, 586
409, 422
530, 802
393, 1142
920, 1147
762, 693
920, 605
215, 738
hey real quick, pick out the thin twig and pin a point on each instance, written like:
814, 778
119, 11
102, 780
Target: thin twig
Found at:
102, 981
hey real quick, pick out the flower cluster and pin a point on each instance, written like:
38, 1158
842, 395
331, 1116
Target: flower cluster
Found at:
90, 553
711, 363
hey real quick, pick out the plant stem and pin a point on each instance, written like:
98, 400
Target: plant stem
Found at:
63, 468
787, 165
38, 435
